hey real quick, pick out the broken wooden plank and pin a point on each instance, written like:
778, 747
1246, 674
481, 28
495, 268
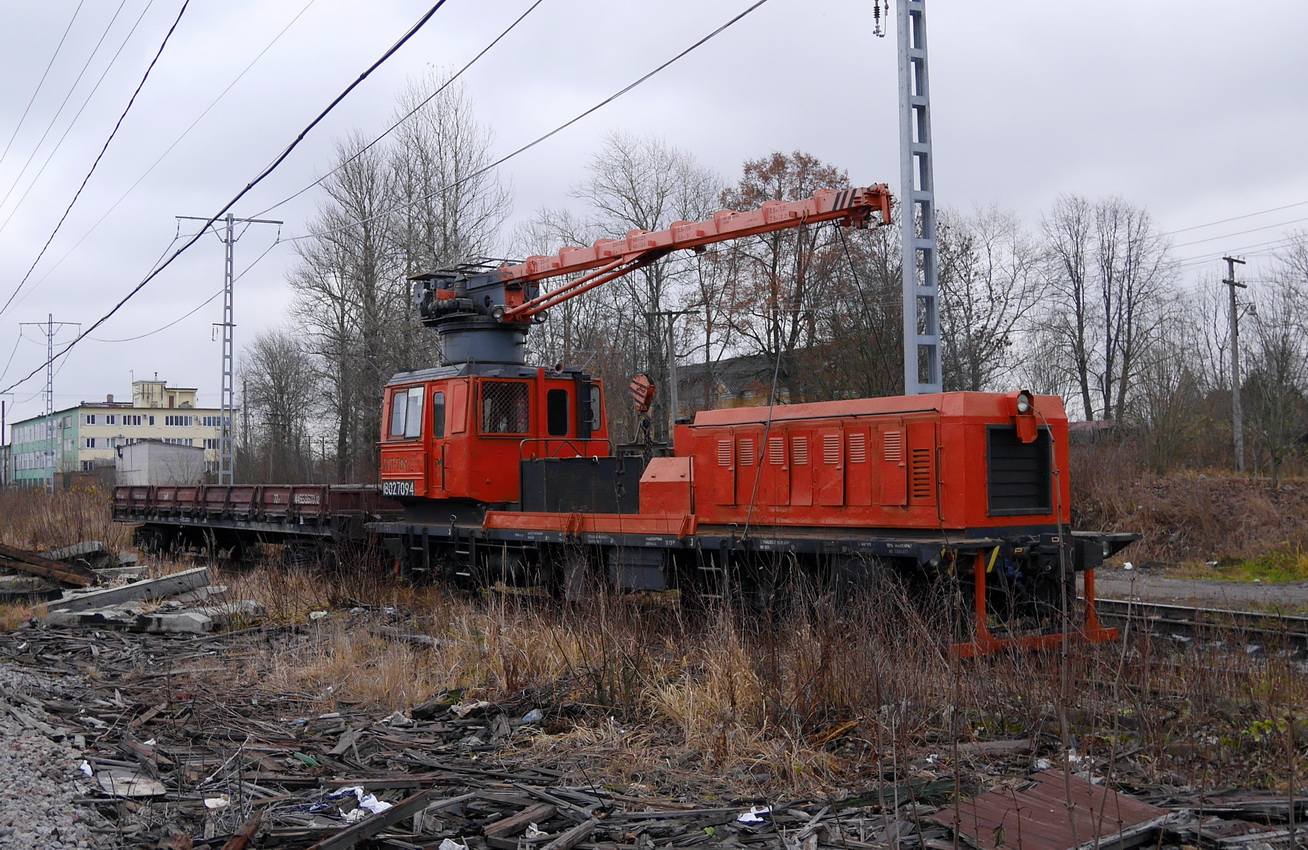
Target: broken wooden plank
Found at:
498, 833
242, 838
153, 588
33, 564
574, 836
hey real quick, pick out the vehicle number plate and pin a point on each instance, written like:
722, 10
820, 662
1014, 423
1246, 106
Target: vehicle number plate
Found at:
397, 488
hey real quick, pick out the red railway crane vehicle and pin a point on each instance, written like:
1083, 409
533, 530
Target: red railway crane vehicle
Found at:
500, 471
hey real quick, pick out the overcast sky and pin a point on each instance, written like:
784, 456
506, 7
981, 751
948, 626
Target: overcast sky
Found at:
1193, 109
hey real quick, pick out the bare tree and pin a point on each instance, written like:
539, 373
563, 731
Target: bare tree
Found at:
782, 279
450, 203
1109, 278
282, 398
633, 183
1276, 385
350, 298
989, 285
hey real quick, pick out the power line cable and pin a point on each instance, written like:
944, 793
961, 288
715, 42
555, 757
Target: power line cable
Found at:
175, 143
241, 194
479, 172
81, 109
99, 157
1233, 218
41, 82
67, 97
199, 307
407, 116
1241, 232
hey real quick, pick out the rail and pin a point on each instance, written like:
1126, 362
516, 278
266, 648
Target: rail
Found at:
1188, 622
562, 442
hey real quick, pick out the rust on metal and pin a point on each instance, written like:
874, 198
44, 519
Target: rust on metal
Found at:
1052, 812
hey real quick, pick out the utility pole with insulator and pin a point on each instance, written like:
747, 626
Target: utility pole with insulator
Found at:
1237, 416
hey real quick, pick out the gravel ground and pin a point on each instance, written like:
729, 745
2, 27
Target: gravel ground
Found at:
1145, 585
40, 777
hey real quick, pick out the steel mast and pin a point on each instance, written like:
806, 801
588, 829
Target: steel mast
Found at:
917, 208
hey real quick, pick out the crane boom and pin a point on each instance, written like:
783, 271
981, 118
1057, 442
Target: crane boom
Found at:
611, 258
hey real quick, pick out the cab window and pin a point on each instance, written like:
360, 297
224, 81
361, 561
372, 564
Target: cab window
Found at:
505, 407
438, 415
556, 413
406, 414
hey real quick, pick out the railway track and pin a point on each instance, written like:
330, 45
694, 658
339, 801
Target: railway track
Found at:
1243, 629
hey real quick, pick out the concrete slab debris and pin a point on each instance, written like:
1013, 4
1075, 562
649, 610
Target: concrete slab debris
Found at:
155, 588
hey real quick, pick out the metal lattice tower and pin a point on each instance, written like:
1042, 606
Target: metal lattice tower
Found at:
49, 326
917, 210
226, 457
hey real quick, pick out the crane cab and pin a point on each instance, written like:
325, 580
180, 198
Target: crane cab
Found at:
462, 432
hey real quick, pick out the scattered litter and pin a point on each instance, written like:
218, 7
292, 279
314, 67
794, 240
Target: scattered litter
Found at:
214, 803
317, 615
754, 815
85, 767
533, 716
465, 709
451, 844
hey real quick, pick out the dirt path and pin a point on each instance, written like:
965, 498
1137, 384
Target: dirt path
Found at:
1116, 583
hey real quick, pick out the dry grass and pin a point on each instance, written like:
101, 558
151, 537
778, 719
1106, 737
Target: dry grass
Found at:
35, 519
828, 693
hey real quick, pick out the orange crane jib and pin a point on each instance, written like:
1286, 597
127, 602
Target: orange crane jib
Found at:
611, 258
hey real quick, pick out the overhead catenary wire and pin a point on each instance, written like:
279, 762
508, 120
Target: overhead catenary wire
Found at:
98, 158
72, 88
206, 302
174, 144
317, 234
41, 82
443, 86
243, 192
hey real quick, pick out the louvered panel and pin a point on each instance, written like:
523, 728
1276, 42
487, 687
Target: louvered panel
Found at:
799, 450
724, 452
776, 450
920, 473
858, 448
831, 448
746, 456
893, 446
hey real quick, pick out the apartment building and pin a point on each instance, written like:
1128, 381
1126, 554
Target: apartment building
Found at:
86, 437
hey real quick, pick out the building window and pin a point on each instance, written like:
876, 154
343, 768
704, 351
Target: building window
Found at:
88, 465
210, 444
177, 421
151, 421
89, 443
88, 419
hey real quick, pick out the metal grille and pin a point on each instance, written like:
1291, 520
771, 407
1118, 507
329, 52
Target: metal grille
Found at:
777, 450
724, 453
505, 407
799, 449
746, 457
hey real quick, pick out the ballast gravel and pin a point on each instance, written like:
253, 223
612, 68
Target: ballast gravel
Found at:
40, 778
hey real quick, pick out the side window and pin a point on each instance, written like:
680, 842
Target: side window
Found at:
505, 407
556, 413
406, 414
596, 408
438, 414
399, 407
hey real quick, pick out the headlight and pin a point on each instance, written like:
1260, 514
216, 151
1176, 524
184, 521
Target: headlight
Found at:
1024, 402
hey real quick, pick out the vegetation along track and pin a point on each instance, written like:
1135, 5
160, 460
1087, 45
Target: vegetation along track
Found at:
1271, 632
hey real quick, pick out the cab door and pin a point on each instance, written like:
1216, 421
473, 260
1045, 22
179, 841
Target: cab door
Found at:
438, 455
